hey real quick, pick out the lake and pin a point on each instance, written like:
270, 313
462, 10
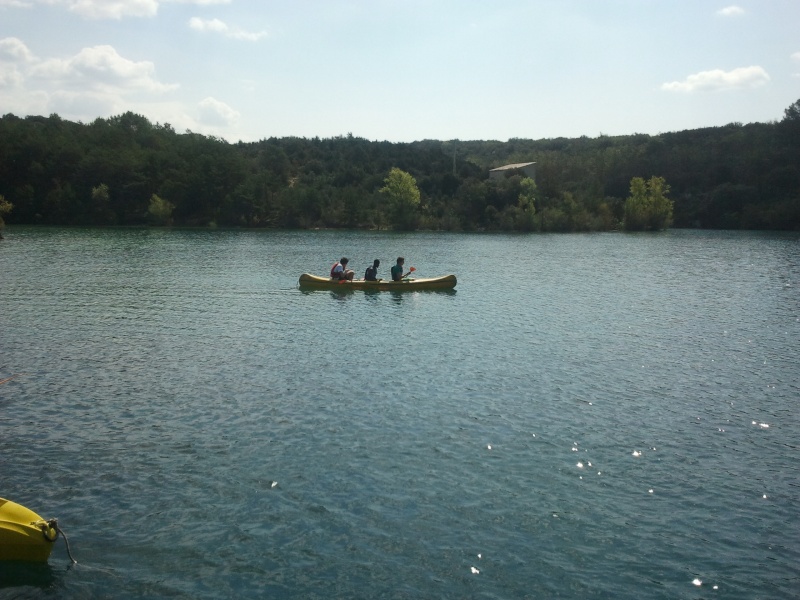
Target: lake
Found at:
585, 416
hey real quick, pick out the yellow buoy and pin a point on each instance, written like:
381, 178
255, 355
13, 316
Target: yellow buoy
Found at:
24, 535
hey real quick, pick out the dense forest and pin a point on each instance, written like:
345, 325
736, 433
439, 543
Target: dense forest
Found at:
125, 170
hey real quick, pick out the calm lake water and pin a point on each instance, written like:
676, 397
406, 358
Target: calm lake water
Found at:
585, 416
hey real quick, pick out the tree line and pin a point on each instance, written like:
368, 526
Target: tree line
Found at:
126, 170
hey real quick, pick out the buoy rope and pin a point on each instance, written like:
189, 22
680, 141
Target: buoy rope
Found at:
47, 527
66, 541
2, 381
53, 523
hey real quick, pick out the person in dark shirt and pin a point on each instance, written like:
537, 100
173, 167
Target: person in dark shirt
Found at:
371, 274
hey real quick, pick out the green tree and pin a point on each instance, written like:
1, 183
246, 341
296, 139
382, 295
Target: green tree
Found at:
5, 208
792, 113
100, 194
790, 124
527, 194
648, 208
526, 203
160, 210
100, 209
743, 176
403, 198
660, 206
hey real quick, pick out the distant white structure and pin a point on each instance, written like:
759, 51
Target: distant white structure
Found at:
528, 168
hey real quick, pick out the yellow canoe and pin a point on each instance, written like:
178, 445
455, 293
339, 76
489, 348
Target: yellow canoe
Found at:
446, 282
24, 535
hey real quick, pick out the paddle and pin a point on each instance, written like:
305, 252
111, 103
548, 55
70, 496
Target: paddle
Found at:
410, 271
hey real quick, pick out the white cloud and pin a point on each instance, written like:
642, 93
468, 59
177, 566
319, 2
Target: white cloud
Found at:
101, 68
200, 2
10, 77
110, 9
199, 24
217, 26
216, 113
731, 11
86, 104
16, 3
796, 58
113, 9
96, 81
14, 56
14, 50
719, 80
26, 103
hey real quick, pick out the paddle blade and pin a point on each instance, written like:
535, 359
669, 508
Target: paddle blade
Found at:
412, 269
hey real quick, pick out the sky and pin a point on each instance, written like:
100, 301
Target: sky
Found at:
403, 70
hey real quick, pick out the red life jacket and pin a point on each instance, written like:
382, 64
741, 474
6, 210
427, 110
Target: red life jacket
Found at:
336, 264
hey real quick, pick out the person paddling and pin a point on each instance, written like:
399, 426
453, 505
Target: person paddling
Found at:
397, 270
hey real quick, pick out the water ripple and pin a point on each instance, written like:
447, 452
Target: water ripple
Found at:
619, 422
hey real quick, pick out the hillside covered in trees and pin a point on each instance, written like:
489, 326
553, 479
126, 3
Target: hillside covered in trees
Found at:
126, 170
